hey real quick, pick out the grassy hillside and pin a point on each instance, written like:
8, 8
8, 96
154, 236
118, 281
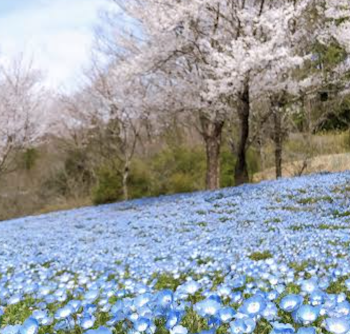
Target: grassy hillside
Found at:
264, 258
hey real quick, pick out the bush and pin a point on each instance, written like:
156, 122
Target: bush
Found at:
178, 169
174, 170
108, 188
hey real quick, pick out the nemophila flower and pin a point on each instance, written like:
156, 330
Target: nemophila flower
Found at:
100, 330
309, 286
236, 297
317, 297
190, 287
347, 283
253, 306
238, 282
142, 300
337, 325
165, 298
306, 314
208, 307
279, 328
47, 321
290, 303
179, 330
224, 290
87, 322
142, 324
62, 325
91, 296
341, 297
88, 308
76, 304
343, 308
173, 319
243, 325
209, 331
226, 314
145, 311
64, 312
14, 300
306, 330
10, 329
272, 295
270, 312
133, 316
30, 326
41, 316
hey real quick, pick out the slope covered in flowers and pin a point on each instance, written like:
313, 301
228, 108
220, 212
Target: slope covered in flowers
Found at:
265, 258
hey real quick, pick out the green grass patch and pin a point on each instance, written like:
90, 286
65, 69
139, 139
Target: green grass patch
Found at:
259, 256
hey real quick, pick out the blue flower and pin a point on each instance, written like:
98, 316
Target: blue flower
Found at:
270, 312
173, 319
10, 329
253, 306
30, 326
64, 312
179, 330
306, 314
208, 307
306, 330
165, 298
290, 303
226, 314
338, 325
309, 286
190, 287
100, 330
279, 328
243, 325
142, 324
87, 322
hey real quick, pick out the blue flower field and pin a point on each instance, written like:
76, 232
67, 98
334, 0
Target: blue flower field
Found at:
265, 258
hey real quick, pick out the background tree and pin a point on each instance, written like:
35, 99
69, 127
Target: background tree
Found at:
20, 103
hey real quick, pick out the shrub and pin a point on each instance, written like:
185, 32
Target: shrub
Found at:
108, 188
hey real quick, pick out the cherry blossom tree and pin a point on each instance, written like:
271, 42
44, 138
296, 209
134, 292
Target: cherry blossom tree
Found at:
20, 103
211, 59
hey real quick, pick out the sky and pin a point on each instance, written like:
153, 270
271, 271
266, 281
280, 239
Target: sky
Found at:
56, 34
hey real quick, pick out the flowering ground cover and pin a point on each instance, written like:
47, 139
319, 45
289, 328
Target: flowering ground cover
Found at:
265, 258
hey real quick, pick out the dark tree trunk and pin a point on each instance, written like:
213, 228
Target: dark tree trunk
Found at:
241, 169
125, 179
212, 133
277, 119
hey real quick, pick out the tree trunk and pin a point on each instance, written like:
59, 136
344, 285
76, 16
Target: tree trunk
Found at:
125, 182
241, 169
278, 141
212, 132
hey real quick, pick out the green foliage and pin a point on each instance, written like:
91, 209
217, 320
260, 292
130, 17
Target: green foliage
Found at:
29, 158
178, 169
313, 200
339, 119
16, 314
227, 168
167, 281
339, 214
329, 55
194, 322
253, 161
108, 188
258, 256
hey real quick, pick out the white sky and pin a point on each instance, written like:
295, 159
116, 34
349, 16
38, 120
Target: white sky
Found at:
56, 34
